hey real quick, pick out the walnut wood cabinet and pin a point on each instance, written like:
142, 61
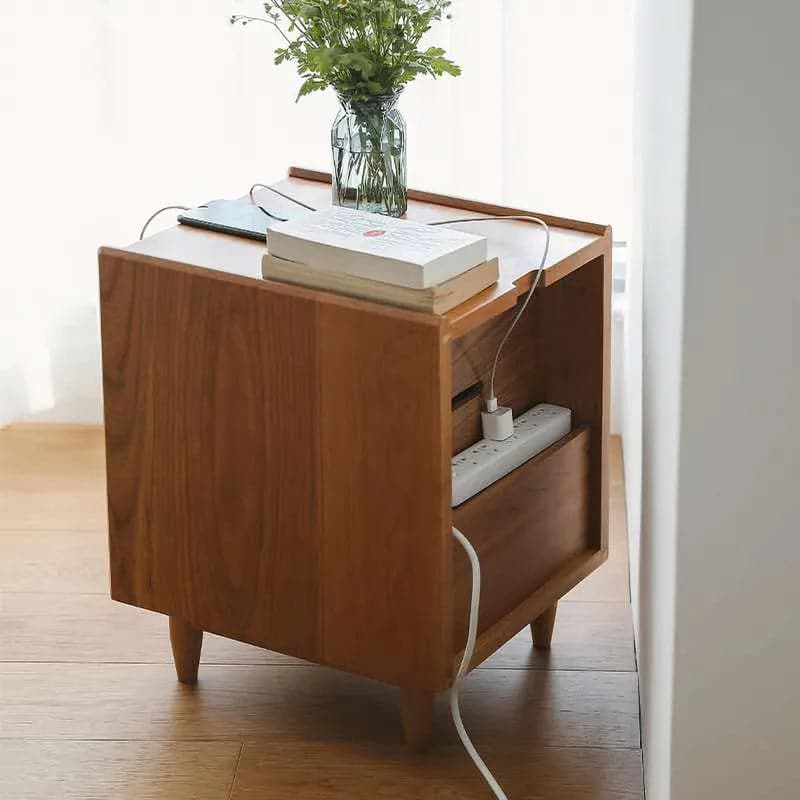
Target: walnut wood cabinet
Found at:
278, 458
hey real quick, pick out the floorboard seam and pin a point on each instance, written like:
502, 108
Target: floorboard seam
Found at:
235, 771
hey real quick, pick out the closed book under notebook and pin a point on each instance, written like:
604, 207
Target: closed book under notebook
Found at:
435, 299
377, 248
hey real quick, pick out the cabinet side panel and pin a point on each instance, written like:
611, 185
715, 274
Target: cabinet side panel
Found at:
385, 472
576, 313
212, 452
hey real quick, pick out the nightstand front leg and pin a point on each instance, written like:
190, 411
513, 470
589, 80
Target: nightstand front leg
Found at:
542, 628
417, 710
186, 643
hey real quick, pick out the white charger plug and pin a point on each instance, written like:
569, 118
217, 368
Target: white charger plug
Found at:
497, 423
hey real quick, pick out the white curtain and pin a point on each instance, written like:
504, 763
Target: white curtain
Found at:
110, 109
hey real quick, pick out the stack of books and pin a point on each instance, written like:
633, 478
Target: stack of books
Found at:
394, 261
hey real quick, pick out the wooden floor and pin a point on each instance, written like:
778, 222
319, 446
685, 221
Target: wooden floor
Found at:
90, 707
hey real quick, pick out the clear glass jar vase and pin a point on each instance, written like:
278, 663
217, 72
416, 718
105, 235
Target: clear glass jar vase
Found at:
368, 146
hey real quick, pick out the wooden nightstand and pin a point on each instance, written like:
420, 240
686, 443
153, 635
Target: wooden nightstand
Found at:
279, 458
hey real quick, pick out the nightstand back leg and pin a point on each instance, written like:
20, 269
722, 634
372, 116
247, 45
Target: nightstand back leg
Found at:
542, 628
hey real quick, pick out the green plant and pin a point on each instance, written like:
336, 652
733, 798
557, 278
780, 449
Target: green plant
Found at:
360, 48
367, 51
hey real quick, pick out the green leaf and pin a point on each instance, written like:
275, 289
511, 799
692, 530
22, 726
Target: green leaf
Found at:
360, 47
311, 85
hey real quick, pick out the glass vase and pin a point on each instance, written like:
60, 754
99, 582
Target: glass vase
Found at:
368, 146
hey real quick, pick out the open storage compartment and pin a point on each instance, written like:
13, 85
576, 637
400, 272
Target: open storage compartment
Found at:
526, 528
542, 528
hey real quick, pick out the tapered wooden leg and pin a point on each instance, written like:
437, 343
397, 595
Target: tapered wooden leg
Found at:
542, 628
417, 709
186, 644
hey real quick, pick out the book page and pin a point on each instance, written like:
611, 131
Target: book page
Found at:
378, 235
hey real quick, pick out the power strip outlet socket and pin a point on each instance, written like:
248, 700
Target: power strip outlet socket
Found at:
487, 461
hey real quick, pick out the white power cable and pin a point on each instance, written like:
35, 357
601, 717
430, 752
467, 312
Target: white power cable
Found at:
469, 650
278, 192
252, 200
492, 399
153, 216
475, 595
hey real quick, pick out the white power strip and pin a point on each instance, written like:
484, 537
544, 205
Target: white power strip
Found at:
487, 461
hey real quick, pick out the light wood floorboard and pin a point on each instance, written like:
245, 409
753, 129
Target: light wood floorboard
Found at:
52, 478
90, 707
587, 636
92, 628
610, 583
344, 771
144, 701
95, 770
54, 561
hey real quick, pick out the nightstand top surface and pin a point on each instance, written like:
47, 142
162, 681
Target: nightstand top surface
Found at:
518, 244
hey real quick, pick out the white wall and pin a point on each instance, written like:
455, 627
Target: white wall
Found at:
629, 384
719, 637
664, 62
737, 654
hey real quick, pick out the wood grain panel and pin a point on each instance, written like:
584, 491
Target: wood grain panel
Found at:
576, 313
386, 551
210, 405
309, 705
342, 772
520, 380
524, 528
466, 425
92, 770
474, 352
276, 468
